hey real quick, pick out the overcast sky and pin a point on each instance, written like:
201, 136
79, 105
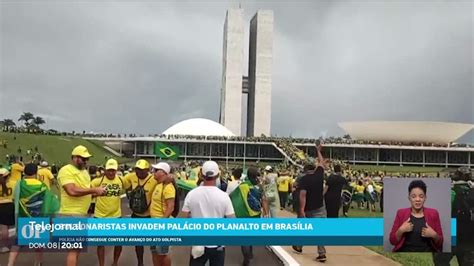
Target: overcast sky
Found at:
141, 67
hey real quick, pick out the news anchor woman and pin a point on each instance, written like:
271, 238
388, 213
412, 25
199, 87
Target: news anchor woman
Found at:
418, 228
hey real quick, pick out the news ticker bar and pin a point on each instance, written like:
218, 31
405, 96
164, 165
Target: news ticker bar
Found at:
202, 231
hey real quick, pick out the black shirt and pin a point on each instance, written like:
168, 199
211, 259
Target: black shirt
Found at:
313, 184
414, 242
335, 184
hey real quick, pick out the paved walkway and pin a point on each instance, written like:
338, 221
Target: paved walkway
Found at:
337, 255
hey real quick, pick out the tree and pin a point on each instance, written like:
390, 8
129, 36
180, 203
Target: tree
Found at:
7, 124
38, 121
347, 137
26, 117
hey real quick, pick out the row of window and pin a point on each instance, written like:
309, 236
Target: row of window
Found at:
345, 154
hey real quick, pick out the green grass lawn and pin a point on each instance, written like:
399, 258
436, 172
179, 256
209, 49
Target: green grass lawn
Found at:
55, 149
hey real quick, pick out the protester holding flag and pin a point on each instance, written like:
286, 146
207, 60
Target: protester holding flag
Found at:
162, 206
109, 205
32, 199
76, 191
208, 201
248, 202
142, 184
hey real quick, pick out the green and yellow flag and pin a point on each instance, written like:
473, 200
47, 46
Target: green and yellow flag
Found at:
166, 152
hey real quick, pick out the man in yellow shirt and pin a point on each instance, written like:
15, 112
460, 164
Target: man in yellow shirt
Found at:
76, 191
109, 204
283, 188
16, 170
162, 205
45, 175
140, 179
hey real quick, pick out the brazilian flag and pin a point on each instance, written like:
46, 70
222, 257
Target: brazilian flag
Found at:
166, 152
246, 200
36, 200
186, 186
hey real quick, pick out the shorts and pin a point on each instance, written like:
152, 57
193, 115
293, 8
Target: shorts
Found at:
7, 216
160, 250
136, 216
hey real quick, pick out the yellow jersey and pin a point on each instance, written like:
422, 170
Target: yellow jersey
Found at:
159, 197
131, 181
45, 176
108, 205
16, 171
8, 195
69, 174
283, 183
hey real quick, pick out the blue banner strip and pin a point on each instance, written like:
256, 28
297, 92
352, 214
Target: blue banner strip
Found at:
182, 231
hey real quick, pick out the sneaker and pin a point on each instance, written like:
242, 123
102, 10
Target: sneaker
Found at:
297, 249
4, 250
321, 258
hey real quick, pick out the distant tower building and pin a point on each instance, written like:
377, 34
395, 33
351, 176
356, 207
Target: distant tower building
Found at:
258, 84
232, 68
260, 74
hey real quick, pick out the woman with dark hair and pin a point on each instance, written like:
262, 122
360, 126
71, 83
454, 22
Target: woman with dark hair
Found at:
418, 228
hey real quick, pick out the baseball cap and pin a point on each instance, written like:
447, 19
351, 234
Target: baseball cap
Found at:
142, 164
44, 164
111, 164
81, 151
162, 166
268, 168
30, 169
4, 172
210, 169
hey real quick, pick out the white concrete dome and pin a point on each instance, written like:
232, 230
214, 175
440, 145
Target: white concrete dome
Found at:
198, 127
406, 131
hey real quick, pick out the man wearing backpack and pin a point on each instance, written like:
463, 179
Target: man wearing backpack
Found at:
76, 191
109, 204
249, 202
142, 184
462, 208
162, 206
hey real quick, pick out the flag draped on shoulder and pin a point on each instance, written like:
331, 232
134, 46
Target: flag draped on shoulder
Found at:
166, 151
246, 200
36, 200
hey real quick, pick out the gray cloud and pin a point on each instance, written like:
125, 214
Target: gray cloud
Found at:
141, 67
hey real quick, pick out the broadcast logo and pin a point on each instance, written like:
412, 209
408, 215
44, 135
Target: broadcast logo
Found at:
33, 230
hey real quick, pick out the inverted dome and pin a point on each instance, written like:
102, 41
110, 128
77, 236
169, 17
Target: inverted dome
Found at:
198, 127
406, 131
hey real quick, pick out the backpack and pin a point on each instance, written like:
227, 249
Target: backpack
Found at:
137, 200
176, 209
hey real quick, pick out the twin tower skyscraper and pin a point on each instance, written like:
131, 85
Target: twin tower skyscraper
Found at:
258, 83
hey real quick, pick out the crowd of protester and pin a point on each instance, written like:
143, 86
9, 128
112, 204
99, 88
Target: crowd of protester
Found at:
321, 188
328, 140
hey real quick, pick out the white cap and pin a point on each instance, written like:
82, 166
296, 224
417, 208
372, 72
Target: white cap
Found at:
44, 164
162, 166
210, 169
268, 168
